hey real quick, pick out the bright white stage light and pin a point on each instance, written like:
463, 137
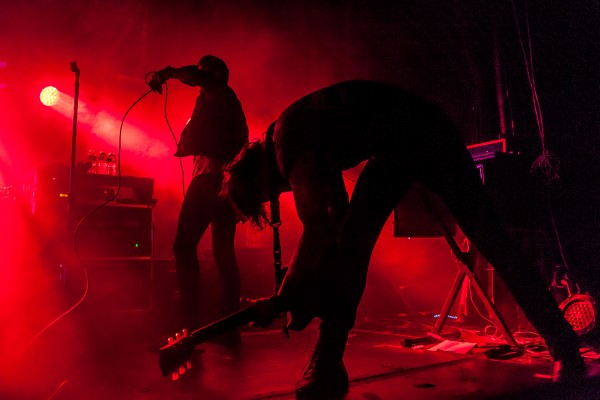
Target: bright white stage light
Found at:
49, 96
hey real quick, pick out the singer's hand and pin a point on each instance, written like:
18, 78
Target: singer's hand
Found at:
156, 82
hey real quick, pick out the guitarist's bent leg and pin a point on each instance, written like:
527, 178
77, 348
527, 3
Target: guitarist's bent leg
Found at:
343, 280
469, 202
380, 186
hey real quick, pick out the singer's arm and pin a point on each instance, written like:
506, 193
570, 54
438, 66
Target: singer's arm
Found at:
190, 75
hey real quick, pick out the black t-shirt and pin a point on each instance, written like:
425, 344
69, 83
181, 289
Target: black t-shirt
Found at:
352, 121
217, 128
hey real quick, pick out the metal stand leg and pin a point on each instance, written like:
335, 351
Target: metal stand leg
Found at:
435, 220
466, 270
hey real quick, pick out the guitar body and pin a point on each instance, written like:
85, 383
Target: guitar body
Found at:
174, 357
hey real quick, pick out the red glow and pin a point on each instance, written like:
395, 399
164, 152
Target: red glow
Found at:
3, 85
276, 53
28, 297
107, 127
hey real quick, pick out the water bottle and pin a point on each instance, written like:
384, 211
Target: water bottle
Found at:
111, 164
102, 163
61, 274
92, 161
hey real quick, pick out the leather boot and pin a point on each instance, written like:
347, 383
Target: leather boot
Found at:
569, 371
569, 366
325, 376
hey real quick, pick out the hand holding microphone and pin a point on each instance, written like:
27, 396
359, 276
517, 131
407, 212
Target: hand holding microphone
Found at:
156, 82
158, 78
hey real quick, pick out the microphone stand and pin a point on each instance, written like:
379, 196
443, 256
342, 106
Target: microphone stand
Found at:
71, 197
69, 228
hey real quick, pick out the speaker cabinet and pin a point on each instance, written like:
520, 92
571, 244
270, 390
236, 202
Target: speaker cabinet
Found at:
114, 243
114, 231
120, 284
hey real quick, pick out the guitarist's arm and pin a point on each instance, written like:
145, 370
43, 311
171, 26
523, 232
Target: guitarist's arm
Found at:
321, 202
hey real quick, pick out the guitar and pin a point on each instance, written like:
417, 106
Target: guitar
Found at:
174, 357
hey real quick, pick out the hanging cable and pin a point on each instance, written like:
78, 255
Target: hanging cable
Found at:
174, 139
545, 164
170, 129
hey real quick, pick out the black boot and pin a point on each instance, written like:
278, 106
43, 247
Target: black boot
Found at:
569, 367
569, 371
325, 377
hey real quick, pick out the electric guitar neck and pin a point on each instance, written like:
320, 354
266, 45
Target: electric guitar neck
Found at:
174, 357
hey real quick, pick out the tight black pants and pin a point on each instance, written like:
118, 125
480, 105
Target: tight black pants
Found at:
203, 207
447, 170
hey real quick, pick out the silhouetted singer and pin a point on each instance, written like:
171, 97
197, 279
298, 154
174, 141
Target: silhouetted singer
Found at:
214, 135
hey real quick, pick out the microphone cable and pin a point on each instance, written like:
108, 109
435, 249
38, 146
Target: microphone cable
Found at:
170, 129
175, 140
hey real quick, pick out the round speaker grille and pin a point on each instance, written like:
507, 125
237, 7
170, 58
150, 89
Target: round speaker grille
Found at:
580, 311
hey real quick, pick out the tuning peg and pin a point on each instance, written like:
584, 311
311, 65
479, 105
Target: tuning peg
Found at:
177, 336
170, 341
184, 333
188, 364
181, 370
174, 376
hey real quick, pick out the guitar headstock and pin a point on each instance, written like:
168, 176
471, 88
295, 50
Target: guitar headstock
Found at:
174, 357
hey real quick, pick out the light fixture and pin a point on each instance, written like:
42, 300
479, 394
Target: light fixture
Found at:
580, 311
49, 96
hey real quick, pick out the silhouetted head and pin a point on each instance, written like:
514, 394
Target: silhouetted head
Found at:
216, 67
247, 183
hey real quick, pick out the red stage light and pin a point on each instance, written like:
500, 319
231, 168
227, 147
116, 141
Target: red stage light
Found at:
49, 96
580, 311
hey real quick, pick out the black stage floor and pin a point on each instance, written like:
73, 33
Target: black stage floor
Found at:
104, 349
98, 355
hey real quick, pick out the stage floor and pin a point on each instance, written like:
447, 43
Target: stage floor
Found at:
91, 355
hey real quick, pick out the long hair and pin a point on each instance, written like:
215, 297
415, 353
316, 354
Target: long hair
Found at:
246, 183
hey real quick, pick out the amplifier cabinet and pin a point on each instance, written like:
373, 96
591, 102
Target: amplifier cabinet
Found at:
115, 246
113, 230
120, 284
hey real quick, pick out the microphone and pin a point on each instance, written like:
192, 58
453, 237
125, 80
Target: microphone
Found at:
74, 67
